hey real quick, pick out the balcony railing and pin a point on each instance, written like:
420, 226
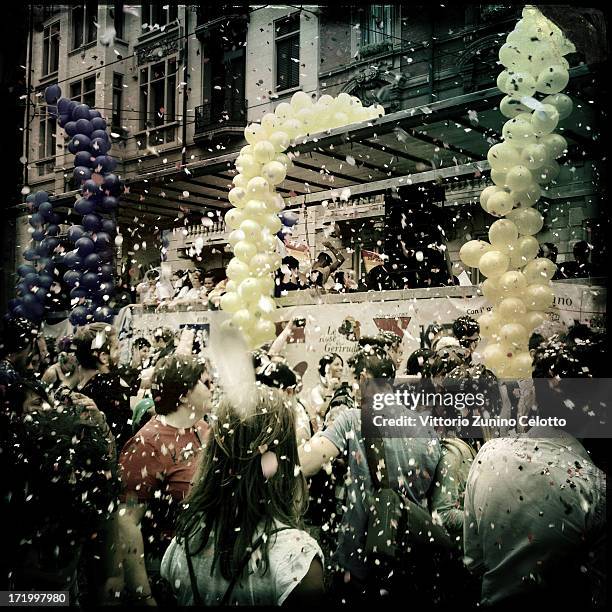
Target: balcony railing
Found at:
212, 117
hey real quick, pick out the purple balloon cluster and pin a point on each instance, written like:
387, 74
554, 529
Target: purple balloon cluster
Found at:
90, 264
36, 277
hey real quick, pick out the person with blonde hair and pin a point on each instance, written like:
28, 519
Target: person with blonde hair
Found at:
240, 537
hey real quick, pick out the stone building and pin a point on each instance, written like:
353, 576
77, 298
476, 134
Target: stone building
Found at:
179, 84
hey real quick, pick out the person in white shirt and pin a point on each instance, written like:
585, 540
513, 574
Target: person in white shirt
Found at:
239, 537
194, 295
535, 504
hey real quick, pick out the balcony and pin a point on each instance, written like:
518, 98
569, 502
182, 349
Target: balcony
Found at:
214, 119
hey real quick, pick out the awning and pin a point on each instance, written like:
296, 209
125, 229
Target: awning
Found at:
436, 141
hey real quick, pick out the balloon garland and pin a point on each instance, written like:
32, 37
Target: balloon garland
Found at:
254, 220
90, 265
517, 281
37, 277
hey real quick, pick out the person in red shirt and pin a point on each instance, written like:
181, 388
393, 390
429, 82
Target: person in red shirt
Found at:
157, 467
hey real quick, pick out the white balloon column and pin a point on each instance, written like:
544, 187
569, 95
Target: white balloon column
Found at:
517, 281
262, 165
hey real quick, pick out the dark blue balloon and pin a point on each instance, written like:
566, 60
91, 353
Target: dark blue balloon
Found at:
112, 184
62, 120
80, 112
103, 164
45, 210
103, 314
100, 146
53, 229
100, 134
84, 158
40, 294
52, 94
84, 126
30, 254
102, 241
24, 270
63, 106
91, 223
71, 277
80, 142
71, 106
92, 262
30, 280
94, 114
52, 110
42, 249
38, 234
13, 303
50, 244
33, 310
106, 272
90, 280
109, 203
85, 246
73, 260
54, 218
81, 173
45, 280
109, 226
79, 315
98, 123
30, 197
84, 206
35, 220
41, 196
71, 129
106, 255
75, 232
91, 190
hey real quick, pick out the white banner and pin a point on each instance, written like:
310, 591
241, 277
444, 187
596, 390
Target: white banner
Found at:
328, 326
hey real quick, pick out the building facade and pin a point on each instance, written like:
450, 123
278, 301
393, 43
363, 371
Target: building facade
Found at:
179, 84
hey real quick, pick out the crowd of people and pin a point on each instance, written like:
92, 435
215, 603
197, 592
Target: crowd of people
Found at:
143, 483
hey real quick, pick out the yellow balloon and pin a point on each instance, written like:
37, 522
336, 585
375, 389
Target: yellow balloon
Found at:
562, 103
240, 181
265, 306
237, 270
274, 172
555, 145
539, 271
255, 208
502, 232
538, 297
245, 251
533, 319
511, 107
260, 265
499, 178
503, 156
471, 252
500, 204
534, 156
247, 166
249, 290
511, 309
486, 193
231, 286
280, 140
547, 173
520, 366
495, 356
552, 79
264, 331
266, 285
270, 122
514, 335
243, 319
519, 178
237, 196
525, 199
300, 100
528, 220
251, 229
233, 218
264, 151
493, 263
545, 119
231, 302
527, 248
489, 324
283, 111
491, 290
257, 188
235, 237
254, 132
512, 283
272, 222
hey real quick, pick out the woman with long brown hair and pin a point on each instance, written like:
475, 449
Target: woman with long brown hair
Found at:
239, 538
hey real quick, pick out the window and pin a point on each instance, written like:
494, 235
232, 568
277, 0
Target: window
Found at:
118, 18
158, 93
84, 91
84, 18
51, 42
46, 140
377, 24
117, 100
287, 38
155, 14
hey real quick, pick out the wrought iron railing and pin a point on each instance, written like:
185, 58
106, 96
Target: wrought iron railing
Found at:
214, 115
